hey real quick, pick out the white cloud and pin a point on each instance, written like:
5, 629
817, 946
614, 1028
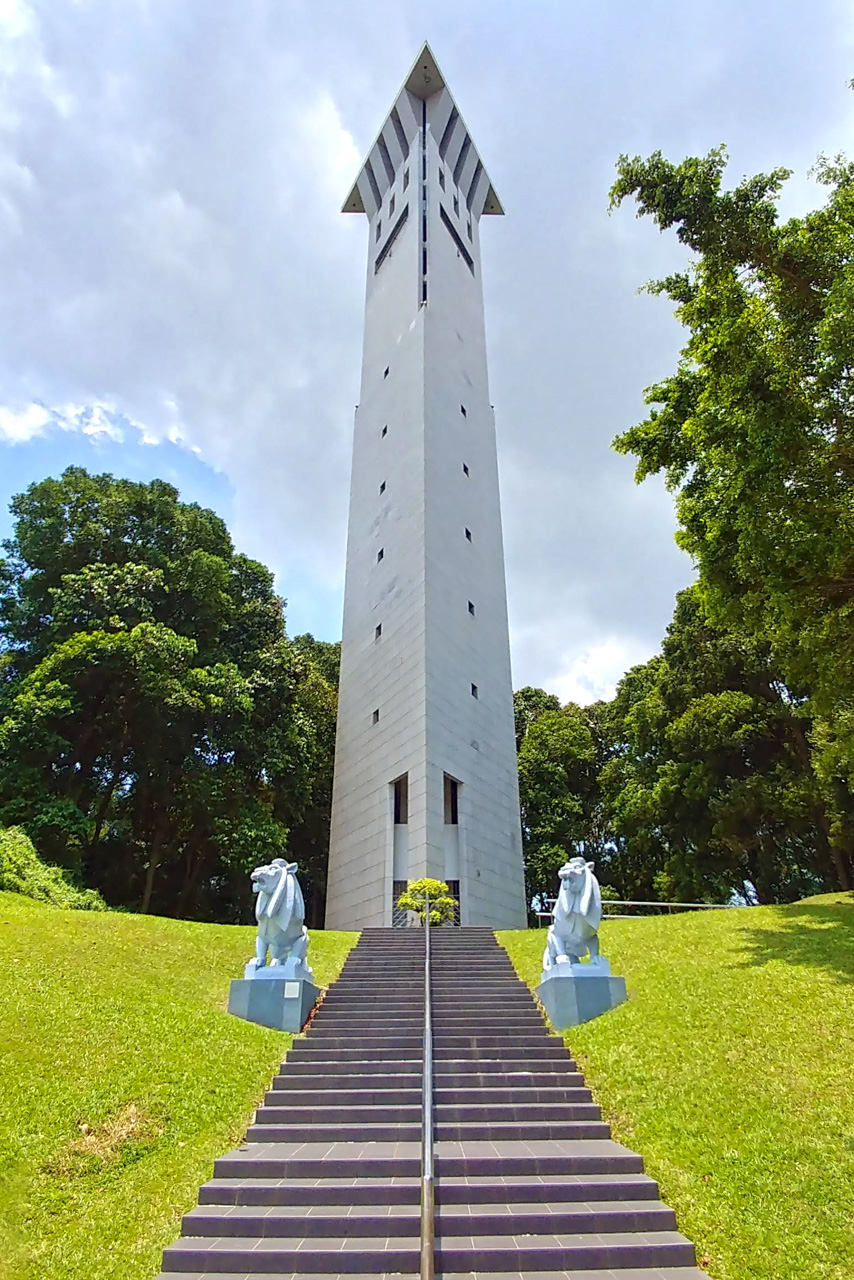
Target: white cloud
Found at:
175, 266
596, 673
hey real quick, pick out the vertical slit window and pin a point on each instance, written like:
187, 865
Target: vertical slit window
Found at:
380, 555
384, 433
401, 800
379, 229
378, 630
382, 487
463, 411
468, 534
471, 608
442, 179
474, 694
452, 801
405, 179
465, 469
376, 715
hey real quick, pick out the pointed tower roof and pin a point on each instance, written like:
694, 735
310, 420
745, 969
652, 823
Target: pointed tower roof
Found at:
424, 83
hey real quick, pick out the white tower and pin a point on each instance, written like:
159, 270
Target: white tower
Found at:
425, 764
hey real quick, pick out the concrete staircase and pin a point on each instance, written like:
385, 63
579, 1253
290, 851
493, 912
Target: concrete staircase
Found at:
528, 1181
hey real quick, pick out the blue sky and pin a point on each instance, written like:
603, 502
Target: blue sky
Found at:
182, 297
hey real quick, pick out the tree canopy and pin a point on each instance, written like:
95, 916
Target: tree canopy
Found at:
159, 734
696, 782
754, 431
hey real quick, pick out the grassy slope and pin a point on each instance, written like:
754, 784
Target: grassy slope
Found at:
121, 1078
731, 1070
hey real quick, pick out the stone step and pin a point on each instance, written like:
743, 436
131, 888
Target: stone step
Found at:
321, 1080
395, 1220
306, 1052
319, 1159
523, 1130
312, 1191
333, 1114
320, 1099
293, 1067
292, 1131
451, 1070
529, 1113
371, 1255
551, 1190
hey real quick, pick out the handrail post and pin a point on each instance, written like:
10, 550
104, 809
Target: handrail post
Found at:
428, 1230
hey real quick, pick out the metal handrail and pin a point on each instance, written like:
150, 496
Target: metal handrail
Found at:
664, 907
428, 1199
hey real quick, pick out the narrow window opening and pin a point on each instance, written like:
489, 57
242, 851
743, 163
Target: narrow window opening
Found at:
468, 229
379, 229
442, 179
391, 211
452, 801
405, 179
380, 555
473, 694
463, 411
384, 433
376, 715
465, 469
457, 205
382, 487
378, 630
385, 371
471, 608
468, 534
401, 800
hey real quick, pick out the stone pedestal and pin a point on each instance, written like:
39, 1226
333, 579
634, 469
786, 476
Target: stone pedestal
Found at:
272, 999
575, 993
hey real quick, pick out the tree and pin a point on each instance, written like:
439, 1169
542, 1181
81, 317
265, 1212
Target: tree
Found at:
755, 429
417, 895
713, 781
159, 734
558, 790
528, 705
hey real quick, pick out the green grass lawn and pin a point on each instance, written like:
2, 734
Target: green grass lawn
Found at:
731, 1070
121, 1079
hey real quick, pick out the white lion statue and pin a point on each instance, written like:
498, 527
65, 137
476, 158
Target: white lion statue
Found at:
280, 912
577, 915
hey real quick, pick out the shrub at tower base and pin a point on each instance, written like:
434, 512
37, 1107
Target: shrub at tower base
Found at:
122, 1077
729, 1070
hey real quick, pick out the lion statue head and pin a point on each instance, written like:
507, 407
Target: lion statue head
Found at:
579, 892
279, 897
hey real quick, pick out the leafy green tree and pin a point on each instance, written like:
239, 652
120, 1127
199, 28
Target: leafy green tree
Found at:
528, 704
558, 790
159, 734
419, 893
713, 783
755, 429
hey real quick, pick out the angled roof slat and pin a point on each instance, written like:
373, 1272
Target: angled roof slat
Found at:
424, 83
